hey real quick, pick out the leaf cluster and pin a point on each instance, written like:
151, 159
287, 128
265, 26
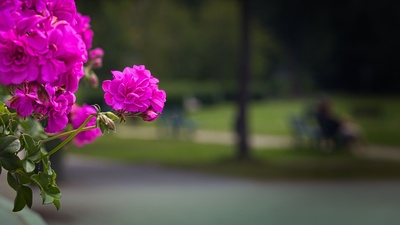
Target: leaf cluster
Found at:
26, 161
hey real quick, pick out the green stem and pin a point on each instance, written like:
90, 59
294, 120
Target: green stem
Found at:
69, 138
67, 133
132, 115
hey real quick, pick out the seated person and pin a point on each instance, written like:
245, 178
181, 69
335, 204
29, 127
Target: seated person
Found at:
342, 132
328, 123
350, 133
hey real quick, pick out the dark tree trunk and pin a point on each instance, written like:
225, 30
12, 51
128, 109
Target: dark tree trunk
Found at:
244, 76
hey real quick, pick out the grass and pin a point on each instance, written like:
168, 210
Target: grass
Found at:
168, 152
265, 117
380, 122
268, 117
210, 158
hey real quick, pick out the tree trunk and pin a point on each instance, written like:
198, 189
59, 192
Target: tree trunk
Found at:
244, 76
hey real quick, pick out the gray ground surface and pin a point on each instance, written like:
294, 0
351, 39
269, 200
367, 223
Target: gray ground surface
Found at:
99, 192
105, 193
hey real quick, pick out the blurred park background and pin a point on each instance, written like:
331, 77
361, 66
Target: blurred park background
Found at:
294, 54
262, 63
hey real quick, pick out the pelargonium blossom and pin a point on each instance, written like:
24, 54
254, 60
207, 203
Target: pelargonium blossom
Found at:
23, 101
59, 106
42, 41
43, 101
44, 46
134, 90
17, 64
77, 116
82, 28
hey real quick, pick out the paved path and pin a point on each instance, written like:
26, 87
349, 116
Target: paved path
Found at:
257, 142
204, 136
23, 217
104, 193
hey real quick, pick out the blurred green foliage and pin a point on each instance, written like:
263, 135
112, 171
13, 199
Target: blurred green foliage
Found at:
195, 45
296, 47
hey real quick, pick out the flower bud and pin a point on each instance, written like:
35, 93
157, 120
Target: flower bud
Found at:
94, 81
97, 63
111, 115
149, 115
96, 53
107, 122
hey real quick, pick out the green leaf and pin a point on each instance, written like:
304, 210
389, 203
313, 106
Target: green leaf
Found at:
14, 125
27, 194
3, 108
19, 202
47, 199
29, 144
48, 190
24, 179
4, 119
23, 198
51, 195
54, 192
28, 165
33, 128
46, 163
10, 162
57, 204
35, 157
9, 144
41, 180
12, 181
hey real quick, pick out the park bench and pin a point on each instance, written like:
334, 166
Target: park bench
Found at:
175, 124
304, 131
308, 134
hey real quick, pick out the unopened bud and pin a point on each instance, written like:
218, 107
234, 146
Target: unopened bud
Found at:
97, 63
111, 115
94, 81
149, 116
96, 53
107, 122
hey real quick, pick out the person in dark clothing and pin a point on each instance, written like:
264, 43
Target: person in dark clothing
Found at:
329, 125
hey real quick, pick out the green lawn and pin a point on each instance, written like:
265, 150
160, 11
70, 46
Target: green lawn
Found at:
266, 117
269, 164
378, 116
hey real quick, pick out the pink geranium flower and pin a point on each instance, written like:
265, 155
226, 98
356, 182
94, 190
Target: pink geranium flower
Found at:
133, 90
82, 28
58, 106
63, 9
77, 116
23, 100
39, 42
17, 64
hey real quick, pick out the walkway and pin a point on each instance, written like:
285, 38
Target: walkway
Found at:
101, 193
258, 142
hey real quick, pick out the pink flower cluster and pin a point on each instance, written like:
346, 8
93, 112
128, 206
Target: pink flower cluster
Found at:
134, 90
77, 116
43, 47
